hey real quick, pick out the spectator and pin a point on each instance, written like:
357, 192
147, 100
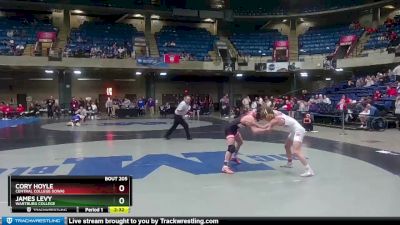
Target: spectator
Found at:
326, 100
342, 104
373, 112
268, 102
141, 105
246, 103
19, 49
397, 111
126, 103
391, 91
319, 98
20, 110
10, 33
289, 108
81, 102
121, 51
260, 101
302, 106
32, 110
2, 105
225, 107
57, 110
196, 108
364, 116
50, 107
377, 95
151, 104
359, 82
6, 109
398, 88
74, 105
311, 100
254, 104
307, 123
109, 106
164, 110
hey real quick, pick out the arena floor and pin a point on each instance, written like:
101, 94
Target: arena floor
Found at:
178, 177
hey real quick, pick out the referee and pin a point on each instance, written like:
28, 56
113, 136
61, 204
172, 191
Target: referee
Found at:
180, 111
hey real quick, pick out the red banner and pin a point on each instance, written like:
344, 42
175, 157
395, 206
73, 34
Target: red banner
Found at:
171, 58
281, 44
46, 36
348, 40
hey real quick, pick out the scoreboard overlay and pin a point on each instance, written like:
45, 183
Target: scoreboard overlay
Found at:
88, 194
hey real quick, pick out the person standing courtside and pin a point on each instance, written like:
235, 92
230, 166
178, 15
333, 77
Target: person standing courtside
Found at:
50, 107
180, 111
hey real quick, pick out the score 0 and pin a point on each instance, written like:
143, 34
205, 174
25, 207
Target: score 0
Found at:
121, 188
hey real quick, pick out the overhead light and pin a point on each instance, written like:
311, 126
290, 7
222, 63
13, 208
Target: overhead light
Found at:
126, 80
328, 78
339, 69
302, 19
259, 51
86, 79
284, 21
137, 15
264, 54
155, 17
208, 20
239, 75
304, 74
40, 78
77, 11
138, 73
388, 7
163, 74
77, 72
49, 71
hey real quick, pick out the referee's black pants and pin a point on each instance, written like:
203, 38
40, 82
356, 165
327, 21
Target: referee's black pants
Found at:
178, 120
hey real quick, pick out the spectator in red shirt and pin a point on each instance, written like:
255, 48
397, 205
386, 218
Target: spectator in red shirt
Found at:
391, 91
307, 122
74, 104
377, 95
2, 105
20, 109
342, 104
6, 111
289, 107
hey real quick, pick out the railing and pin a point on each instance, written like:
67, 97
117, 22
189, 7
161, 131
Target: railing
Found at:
340, 120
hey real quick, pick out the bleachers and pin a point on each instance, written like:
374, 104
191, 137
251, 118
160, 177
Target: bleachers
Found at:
319, 6
356, 93
194, 41
323, 41
259, 12
103, 36
377, 40
256, 44
21, 31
